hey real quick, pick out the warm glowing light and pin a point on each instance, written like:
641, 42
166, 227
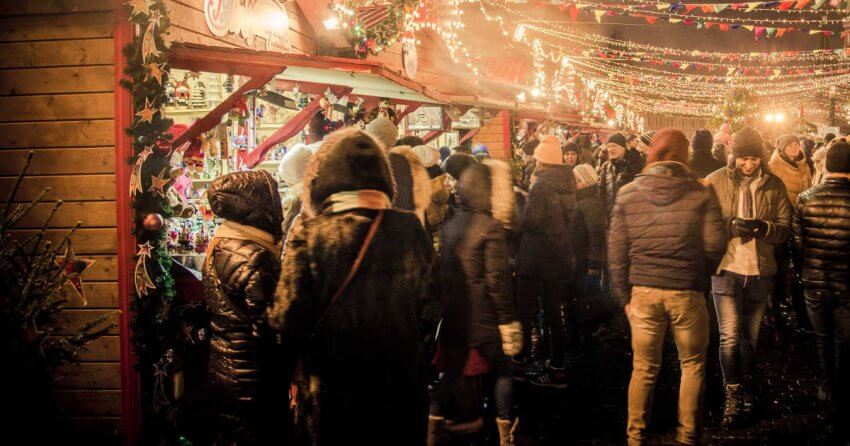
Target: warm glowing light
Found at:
611, 123
520, 96
779, 117
331, 23
769, 117
535, 92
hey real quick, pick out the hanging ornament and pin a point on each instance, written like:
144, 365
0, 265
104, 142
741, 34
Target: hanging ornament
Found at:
139, 7
155, 71
149, 43
146, 114
72, 267
153, 222
158, 182
136, 175
143, 280
155, 17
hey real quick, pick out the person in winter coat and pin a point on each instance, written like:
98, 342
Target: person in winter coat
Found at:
755, 207
454, 166
436, 212
788, 162
480, 314
615, 173
701, 161
245, 381
588, 243
666, 232
544, 260
530, 164
356, 300
291, 172
818, 161
719, 153
821, 243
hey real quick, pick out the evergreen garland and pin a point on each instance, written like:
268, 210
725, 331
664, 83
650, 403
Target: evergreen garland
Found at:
375, 38
155, 323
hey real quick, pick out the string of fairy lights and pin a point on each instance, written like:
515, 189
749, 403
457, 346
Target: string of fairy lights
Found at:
779, 77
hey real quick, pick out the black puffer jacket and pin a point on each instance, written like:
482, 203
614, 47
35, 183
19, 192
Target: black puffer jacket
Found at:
244, 376
544, 251
703, 163
821, 236
664, 227
613, 175
474, 258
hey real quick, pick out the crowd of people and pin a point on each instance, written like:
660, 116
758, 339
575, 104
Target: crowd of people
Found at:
367, 304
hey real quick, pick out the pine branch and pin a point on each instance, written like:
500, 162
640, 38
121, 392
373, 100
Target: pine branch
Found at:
14, 191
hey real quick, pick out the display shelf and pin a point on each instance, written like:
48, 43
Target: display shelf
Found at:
186, 111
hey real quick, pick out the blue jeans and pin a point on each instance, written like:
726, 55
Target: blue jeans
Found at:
740, 302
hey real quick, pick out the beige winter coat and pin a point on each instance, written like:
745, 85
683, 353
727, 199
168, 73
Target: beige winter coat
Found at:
796, 178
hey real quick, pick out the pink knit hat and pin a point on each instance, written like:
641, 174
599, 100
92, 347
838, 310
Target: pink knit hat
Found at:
549, 151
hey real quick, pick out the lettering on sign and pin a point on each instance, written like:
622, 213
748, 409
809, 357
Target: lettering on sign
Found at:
249, 19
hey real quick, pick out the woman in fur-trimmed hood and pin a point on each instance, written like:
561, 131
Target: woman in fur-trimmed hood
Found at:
480, 317
363, 368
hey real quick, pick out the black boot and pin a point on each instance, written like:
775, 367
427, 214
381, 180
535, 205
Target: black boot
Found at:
732, 406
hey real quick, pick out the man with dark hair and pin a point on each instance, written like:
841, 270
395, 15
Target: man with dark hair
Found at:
820, 246
666, 231
755, 206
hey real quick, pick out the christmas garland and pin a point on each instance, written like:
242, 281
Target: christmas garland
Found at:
373, 38
155, 323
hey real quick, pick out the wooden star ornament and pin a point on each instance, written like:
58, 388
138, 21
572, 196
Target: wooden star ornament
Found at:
72, 267
139, 7
155, 71
158, 183
146, 114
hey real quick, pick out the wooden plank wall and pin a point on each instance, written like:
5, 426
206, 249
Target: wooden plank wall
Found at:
492, 135
56, 98
188, 25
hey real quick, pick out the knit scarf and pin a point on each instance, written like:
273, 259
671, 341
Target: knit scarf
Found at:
356, 199
232, 230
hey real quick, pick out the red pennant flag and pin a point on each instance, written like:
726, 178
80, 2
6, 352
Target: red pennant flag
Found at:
651, 19
781, 31
562, 7
689, 8
802, 4
784, 6
758, 31
737, 6
708, 25
724, 26
708, 9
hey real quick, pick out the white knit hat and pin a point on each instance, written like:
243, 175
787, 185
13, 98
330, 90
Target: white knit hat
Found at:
294, 164
585, 176
428, 155
384, 131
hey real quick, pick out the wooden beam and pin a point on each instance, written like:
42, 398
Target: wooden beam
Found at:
213, 118
295, 124
469, 134
408, 110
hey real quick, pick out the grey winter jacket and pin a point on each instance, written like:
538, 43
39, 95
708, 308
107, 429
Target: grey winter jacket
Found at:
771, 205
665, 229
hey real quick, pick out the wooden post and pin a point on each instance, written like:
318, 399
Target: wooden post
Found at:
131, 415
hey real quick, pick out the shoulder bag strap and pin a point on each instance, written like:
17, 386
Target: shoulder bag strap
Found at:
356, 266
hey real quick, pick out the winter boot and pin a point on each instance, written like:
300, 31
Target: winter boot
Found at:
436, 431
552, 377
507, 430
732, 407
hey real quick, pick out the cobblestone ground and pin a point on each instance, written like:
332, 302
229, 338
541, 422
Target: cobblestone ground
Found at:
592, 411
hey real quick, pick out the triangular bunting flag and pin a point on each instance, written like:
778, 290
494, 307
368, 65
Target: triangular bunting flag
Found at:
573, 13
708, 25
689, 8
674, 20
781, 31
770, 31
748, 27
651, 19
707, 9
784, 6
724, 27
753, 5
802, 4
598, 13
662, 6
818, 4
720, 7
730, 71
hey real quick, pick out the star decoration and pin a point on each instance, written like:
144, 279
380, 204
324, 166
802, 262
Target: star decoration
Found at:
155, 71
158, 182
139, 7
72, 267
146, 114
145, 153
145, 249
155, 17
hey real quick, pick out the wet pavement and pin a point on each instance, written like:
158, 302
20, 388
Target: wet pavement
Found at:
592, 410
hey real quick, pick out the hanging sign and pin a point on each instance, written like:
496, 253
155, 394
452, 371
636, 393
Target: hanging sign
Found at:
409, 58
249, 19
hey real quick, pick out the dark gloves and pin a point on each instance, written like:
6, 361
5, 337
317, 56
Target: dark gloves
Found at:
748, 229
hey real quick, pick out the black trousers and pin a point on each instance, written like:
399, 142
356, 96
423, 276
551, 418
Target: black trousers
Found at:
552, 292
829, 313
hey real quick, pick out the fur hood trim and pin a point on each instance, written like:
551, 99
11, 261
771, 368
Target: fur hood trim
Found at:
502, 197
421, 180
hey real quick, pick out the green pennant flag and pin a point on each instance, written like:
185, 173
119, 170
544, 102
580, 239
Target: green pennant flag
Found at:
720, 7
770, 31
